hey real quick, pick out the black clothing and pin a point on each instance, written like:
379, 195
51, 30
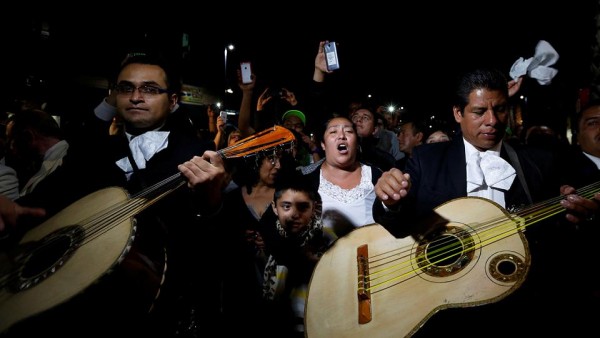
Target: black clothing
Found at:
374, 156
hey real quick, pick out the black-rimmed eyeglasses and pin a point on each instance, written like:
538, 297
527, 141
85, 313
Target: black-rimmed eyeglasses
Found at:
128, 89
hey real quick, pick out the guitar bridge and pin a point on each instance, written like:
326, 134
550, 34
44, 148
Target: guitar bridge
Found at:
364, 284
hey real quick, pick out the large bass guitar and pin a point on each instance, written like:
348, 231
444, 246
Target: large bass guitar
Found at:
86, 241
371, 284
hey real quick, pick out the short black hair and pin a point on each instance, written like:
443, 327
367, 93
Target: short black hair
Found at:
296, 182
38, 120
173, 76
488, 78
418, 124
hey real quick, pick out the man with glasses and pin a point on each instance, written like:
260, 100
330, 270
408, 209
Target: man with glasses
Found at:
372, 151
142, 296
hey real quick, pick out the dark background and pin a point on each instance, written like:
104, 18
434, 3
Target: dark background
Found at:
401, 54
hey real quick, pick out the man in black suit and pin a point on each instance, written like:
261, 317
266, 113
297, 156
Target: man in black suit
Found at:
154, 148
480, 164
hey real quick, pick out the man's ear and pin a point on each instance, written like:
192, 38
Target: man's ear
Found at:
457, 114
419, 137
173, 99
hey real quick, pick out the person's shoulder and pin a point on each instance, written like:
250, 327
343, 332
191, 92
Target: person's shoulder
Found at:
376, 172
533, 152
311, 168
389, 133
233, 194
432, 149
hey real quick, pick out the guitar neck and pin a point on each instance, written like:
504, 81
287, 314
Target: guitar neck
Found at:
552, 207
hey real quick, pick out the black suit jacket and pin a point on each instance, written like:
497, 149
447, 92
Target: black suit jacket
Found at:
438, 174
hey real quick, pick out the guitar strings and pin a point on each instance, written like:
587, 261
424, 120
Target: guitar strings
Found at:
111, 217
92, 227
398, 265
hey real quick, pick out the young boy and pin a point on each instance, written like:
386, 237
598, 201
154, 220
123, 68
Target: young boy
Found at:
295, 246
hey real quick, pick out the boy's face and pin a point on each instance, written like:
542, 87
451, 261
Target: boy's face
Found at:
294, 210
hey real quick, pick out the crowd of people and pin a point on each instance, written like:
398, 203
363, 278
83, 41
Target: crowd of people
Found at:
217, 244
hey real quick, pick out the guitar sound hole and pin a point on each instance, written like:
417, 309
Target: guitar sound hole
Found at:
446, 253
49, 255
506, 268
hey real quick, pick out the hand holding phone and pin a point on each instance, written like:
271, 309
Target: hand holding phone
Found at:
331, 56
223, 115
246, 69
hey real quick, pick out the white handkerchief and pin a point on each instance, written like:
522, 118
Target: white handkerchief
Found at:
143, 147
538, 66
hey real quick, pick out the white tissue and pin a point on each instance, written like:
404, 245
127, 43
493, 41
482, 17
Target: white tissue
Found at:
538, 66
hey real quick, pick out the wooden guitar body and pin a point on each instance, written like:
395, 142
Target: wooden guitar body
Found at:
61, 258
371, 284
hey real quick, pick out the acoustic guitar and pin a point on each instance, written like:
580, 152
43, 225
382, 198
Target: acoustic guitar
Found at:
84, 242
372, 284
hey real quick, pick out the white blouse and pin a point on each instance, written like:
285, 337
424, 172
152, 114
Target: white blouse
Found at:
355, 205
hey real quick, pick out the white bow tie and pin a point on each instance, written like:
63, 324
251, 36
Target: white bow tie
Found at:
494, 171
143, 147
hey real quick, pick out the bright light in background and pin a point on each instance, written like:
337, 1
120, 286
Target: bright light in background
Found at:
391, 108
219, 104
369, 95
228, 47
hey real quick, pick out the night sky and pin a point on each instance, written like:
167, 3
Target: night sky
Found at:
401, 54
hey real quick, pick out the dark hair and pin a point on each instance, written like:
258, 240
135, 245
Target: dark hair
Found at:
418, 124
37, 120
319, 136
248, 168
173, 77
380, 116
491, 79
296, 182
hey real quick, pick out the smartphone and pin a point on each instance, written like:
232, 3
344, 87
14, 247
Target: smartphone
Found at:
331, 56
246, 72
223, 115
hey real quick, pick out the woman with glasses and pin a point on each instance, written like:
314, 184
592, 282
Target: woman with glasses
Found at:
379, 146
241, 240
